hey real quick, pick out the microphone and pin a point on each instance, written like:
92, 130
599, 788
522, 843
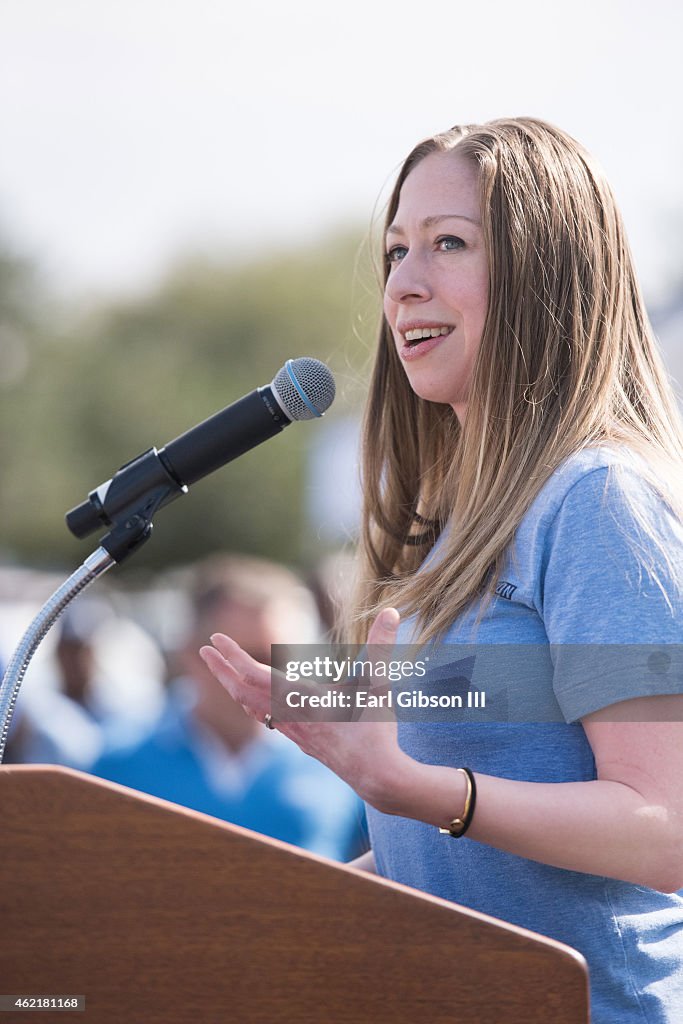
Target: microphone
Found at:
303, 389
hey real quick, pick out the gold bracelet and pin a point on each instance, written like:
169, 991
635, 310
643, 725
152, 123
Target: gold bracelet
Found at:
459, 826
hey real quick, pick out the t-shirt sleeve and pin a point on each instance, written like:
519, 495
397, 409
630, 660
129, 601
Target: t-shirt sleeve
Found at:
610, 593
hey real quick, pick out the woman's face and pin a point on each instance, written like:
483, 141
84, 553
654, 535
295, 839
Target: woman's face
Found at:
436, 297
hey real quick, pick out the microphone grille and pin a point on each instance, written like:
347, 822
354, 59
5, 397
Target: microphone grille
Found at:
304, 388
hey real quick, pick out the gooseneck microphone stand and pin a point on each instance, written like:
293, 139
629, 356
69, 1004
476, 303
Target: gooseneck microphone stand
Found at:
124, 539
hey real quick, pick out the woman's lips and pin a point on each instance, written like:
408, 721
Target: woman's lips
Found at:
413, 350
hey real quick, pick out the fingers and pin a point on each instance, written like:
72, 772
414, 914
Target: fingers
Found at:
232, 652
246, 680
251, 671
222, 669
250, 683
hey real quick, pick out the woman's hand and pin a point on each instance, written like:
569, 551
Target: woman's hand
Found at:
365, 754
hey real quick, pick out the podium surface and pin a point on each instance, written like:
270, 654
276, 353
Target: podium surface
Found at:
162, 915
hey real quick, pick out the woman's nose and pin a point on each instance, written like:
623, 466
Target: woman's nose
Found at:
408, 280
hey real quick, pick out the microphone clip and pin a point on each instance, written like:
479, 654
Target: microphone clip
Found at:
127, 537
138, 488
127, 503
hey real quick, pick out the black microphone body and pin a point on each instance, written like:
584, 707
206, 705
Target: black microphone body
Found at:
304, 388
224, 436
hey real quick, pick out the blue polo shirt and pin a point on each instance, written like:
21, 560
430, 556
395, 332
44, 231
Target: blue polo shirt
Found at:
582, 577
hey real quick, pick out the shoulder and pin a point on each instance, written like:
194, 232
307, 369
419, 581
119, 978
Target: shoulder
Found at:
602, 493
607, 546
598, 477
597, 491
130, 756
151, 748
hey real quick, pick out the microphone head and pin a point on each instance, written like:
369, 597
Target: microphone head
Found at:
304, 388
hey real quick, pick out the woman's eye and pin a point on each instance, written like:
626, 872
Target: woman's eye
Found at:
450, 243
396, 254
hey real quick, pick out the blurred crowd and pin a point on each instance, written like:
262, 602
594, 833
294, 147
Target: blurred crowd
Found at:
120, 692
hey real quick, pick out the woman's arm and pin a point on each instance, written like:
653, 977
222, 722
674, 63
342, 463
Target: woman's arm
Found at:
628, 824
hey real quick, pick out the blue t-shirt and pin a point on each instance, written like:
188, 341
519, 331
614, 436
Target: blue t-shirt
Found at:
574, 576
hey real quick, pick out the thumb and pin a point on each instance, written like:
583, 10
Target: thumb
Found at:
383, 629
380, 647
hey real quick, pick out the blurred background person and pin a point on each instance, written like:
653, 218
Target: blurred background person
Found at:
104, 689
206, 753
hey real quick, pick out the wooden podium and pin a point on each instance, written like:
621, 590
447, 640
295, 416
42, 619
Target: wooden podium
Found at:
160, 915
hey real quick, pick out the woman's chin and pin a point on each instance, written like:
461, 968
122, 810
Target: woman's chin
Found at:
433, 391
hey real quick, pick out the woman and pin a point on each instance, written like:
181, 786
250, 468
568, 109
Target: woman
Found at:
522, 486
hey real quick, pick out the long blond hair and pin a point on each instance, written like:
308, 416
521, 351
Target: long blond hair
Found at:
567, 360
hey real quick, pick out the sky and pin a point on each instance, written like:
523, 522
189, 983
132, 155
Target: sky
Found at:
137, 131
